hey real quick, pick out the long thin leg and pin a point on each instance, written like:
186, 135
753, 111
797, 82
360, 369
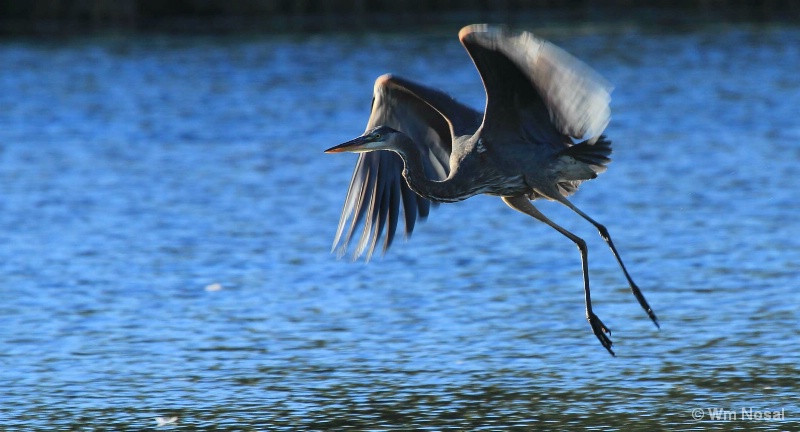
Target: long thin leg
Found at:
607, 237
522, 204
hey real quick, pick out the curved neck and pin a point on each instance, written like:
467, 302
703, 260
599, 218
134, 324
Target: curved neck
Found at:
414, 172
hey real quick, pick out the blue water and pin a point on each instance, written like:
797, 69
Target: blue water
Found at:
166, 217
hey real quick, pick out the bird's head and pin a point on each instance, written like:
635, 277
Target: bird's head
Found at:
379, 138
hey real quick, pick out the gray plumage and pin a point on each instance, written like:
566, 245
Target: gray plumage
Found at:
539, 137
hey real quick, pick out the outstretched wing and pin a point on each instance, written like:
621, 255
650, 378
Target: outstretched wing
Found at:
377, 189
534, 85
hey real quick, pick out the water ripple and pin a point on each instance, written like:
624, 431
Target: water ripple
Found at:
136, 173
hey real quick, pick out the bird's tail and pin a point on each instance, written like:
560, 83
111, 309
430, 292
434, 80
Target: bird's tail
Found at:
595, 155
581, 162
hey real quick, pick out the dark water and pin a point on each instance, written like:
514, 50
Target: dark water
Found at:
137, 174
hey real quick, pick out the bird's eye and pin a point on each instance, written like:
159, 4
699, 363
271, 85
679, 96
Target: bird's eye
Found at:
377, 136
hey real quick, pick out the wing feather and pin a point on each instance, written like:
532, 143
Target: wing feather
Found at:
537, 85
431, 119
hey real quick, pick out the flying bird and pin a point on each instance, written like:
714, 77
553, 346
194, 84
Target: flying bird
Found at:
540, 136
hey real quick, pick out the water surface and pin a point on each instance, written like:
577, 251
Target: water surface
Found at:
137, 173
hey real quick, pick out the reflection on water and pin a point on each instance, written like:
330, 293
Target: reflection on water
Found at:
135, 174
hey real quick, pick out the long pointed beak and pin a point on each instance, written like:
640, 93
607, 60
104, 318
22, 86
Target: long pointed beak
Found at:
353, 145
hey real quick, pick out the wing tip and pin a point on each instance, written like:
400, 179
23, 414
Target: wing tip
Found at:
492, 30
384, 79
472, 31
469, 29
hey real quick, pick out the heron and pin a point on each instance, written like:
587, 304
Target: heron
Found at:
539, 137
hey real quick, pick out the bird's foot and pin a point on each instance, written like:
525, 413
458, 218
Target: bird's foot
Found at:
653, 317
643, 303
601, 331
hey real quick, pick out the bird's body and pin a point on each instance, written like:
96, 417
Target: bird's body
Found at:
477, 168
423, 147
